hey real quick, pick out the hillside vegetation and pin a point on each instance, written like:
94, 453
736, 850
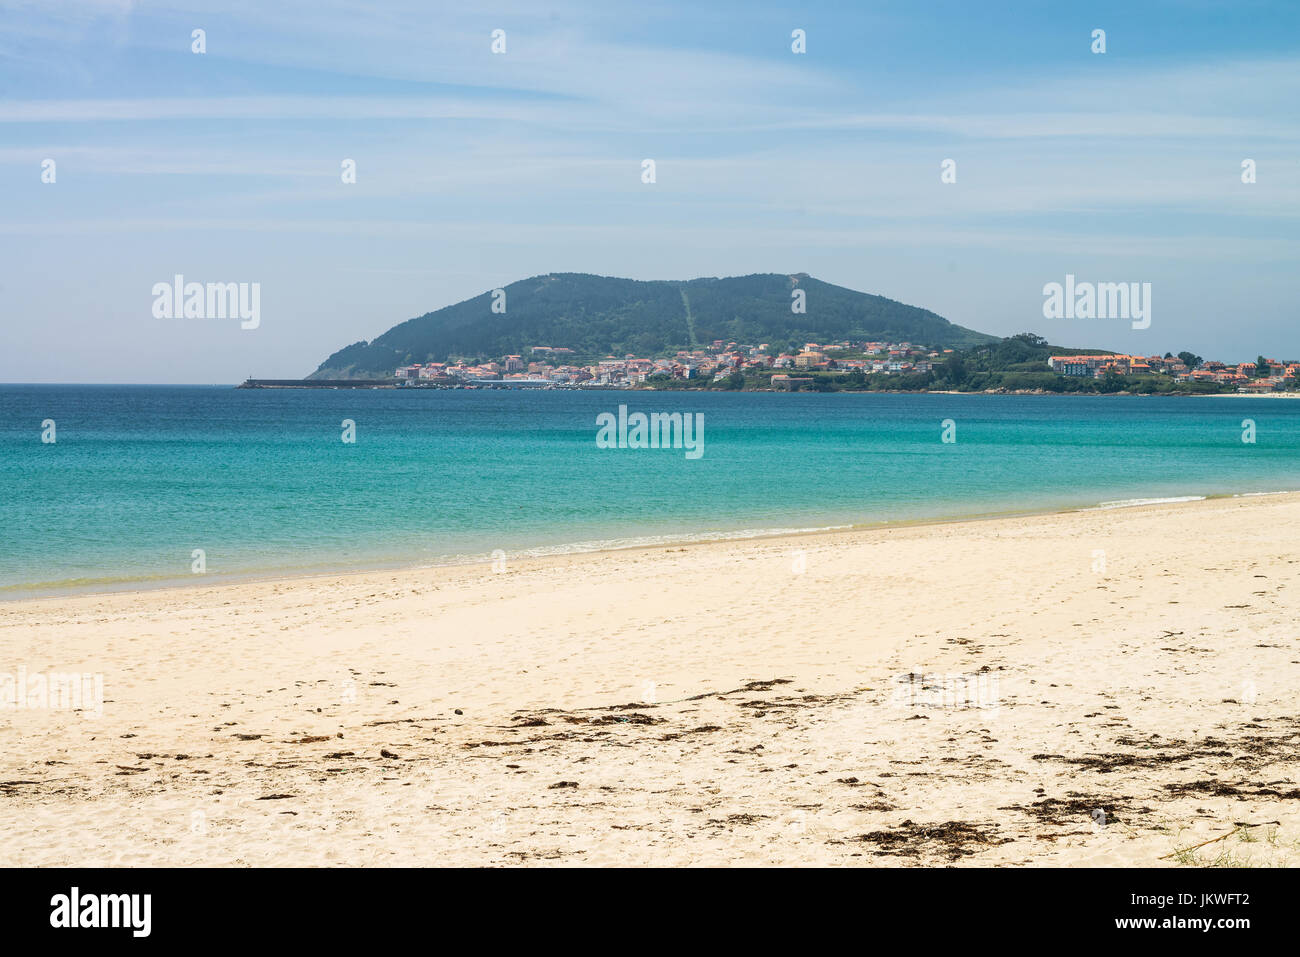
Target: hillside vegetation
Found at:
598, 316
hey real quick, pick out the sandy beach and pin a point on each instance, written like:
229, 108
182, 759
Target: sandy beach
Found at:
1104, 687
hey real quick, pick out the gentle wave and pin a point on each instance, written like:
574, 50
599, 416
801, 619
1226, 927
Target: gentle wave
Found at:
643, 541
1134, 502
18, 590
86, 584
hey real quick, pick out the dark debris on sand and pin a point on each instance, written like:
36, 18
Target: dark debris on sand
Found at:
951, 839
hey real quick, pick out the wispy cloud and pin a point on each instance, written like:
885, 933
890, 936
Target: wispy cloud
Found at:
506, 165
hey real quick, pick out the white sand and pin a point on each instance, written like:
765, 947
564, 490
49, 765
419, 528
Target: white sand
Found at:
1160, 691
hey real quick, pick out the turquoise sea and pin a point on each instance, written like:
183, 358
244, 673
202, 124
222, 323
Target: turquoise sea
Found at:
260, 480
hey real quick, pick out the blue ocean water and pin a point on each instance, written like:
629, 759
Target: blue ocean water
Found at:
260, 480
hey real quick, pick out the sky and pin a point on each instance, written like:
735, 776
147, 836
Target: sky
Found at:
475, 169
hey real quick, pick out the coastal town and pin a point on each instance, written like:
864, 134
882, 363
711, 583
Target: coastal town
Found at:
1270, 376
560, 367
554, 366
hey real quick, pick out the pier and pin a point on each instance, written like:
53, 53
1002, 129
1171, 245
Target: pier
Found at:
318, 384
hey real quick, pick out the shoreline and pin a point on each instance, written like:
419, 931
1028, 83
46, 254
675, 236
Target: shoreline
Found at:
53, 592
364, 384
1070, 689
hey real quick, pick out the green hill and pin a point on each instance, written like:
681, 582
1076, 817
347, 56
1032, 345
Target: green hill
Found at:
598, 316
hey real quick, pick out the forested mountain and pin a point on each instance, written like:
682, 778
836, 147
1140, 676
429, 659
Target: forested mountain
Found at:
597, 316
